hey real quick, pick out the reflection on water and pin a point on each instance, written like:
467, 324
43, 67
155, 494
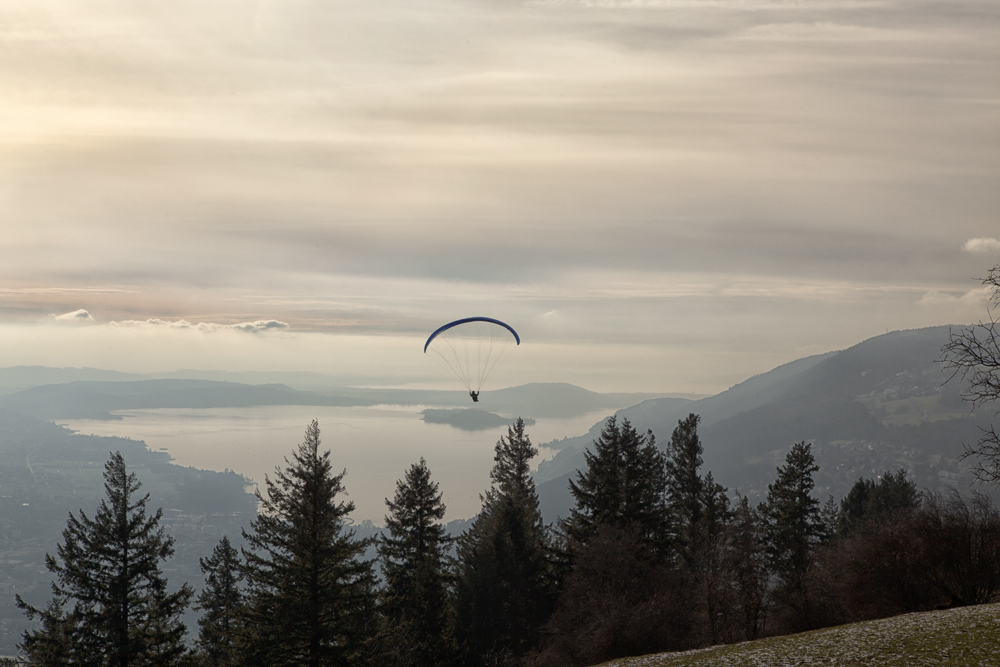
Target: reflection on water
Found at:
375, 444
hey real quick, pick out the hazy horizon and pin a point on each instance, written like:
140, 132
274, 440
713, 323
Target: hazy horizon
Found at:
660, 195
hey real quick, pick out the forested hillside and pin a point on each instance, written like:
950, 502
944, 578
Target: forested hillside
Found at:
655, 551
882, 404
46, 472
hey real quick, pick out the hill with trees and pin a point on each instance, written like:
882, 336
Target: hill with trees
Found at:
59, 394
657, 552
880, 405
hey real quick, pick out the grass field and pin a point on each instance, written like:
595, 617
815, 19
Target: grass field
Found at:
951, 638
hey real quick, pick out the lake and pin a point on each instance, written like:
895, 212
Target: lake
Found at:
375, 444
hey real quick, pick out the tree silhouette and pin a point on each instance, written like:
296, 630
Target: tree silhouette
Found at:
623, 486
504, 592
416, 608
221, 602
107, 572
973, 354
793, 527
309, 593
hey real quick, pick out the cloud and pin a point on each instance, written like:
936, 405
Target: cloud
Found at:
983, 245
259, 325
156, 323
80, 315
819, 30
372, 168
205, 327
975, 297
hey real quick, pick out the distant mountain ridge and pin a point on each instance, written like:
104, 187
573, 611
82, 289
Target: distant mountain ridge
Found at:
880, 405
99, 398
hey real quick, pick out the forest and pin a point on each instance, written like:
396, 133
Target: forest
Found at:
655, 555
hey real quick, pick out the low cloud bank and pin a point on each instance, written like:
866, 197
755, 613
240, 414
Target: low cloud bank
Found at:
978, 297
206, 327
982, 245
80, 315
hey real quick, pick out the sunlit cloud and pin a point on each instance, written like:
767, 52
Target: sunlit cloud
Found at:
204, 327
80, 315
819, 31
976, 297
983, 246
762, 178
258, 326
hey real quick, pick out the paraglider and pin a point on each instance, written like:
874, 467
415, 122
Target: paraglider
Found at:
471, 348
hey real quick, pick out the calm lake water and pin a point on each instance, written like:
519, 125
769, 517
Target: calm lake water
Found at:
375, 444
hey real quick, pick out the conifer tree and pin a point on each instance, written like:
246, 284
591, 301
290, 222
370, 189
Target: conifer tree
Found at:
504, 592
711, 567
309, 593
869, 501
221, 603
699, 516
685, 487
623, 486
416, 609
747, 562
793, 526
110, 603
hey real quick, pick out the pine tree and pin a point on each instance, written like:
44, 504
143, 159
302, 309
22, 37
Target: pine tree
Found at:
309, 593
793, 526
221, 602
416, 609
109, 567
504, 592
747, 563
870, 502
711, 547
685, 488
623, 486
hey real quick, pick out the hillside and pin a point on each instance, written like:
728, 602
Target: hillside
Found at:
47, 471
70, 393
880, 405
97, 400
963, 637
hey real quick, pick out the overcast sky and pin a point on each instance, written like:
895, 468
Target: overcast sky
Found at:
659, 195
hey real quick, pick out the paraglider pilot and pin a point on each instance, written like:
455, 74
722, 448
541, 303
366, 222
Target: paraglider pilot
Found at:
475, 396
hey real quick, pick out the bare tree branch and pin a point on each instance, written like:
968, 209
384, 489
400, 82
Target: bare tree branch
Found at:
973, 354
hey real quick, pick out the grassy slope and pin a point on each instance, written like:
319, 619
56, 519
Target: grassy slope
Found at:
953, 638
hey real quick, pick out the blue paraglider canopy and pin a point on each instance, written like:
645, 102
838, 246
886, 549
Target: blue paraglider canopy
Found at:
465, 320
472, 348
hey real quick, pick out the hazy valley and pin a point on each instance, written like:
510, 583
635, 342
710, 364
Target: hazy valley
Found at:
878, 406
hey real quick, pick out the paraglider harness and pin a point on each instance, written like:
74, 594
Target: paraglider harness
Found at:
475, 396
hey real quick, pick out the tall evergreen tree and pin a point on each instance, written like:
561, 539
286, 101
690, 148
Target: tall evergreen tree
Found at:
711, 545
109, 567
747, 563
416, 609
699, 517
793, 526
623, 486
870, 501
504, 592
221, 603
685, 487
309, 593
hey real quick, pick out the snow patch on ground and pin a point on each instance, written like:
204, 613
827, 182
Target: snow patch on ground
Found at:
968, 636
